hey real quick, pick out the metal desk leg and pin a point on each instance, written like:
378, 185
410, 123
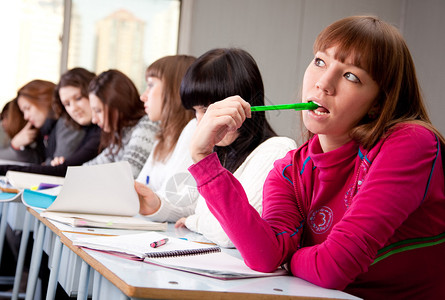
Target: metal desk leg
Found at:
21, 257
54, 272
35, 262
82, 291
96, 284
3, 225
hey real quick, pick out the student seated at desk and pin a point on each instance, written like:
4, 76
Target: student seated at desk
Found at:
162, 102
248, 153
12, 123
127, 133
360, 206
72, 94
45, 126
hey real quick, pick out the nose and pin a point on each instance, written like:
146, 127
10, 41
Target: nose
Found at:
93, 118
326, 83
143, 96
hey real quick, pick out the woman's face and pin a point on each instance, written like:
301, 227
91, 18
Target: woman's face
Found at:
228, 139
76, 105
345, 94
98, 112
32, 113
152, 98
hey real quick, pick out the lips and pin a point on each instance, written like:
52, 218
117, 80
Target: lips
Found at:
321, 110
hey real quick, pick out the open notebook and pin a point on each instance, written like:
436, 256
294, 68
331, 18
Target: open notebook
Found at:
178, 254
137, 246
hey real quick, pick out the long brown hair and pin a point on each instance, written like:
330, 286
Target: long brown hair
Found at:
379, 48
174, 117
40, 93
12, 118
122, 107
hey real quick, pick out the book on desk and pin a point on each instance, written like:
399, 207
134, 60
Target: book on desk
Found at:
88, 196
178, 254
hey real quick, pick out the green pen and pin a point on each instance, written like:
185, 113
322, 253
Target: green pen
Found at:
297, 106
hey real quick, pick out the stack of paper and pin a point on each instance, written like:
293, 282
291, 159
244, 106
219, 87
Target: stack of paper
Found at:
104, 221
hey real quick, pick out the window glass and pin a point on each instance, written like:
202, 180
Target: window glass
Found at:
123, 34
31, 47
126, 35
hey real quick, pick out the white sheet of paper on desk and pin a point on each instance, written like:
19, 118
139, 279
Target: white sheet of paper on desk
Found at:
218, 265
106, 189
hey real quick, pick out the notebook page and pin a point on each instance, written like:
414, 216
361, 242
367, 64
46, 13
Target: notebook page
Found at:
139, 244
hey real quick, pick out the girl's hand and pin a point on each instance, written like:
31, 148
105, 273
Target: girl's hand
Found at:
57, 161
180, 223
24, 137
220, 118
149, 202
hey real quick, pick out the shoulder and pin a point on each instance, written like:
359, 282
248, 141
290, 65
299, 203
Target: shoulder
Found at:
186, 134
146, 124
62, 125
278, 142
189, 129
407, 141
191, 124
270, 150
144, 128
62, 128
412, 135
293, 159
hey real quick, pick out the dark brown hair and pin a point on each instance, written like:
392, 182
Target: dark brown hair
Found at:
122, 106
379, 48
174, 117
76, 77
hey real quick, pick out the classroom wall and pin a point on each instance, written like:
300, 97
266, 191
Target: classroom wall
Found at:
280, 33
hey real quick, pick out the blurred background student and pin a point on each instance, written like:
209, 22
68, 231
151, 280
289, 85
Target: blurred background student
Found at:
71, 95
127, 132
12, 123
45, 126
249, 152
177, 125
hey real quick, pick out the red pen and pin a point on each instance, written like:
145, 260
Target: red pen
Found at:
159, 243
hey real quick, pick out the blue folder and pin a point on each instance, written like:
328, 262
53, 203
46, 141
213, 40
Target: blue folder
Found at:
37, 199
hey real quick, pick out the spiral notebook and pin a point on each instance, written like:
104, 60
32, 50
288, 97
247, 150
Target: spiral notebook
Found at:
137, 246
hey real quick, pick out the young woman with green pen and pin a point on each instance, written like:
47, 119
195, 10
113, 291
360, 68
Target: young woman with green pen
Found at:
360, 206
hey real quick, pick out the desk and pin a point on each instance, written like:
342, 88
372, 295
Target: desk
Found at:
117, 278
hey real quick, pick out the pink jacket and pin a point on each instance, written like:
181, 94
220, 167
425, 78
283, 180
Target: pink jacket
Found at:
370, 223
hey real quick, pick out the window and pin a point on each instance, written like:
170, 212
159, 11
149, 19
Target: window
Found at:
32, 31
122, 34
126, 35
